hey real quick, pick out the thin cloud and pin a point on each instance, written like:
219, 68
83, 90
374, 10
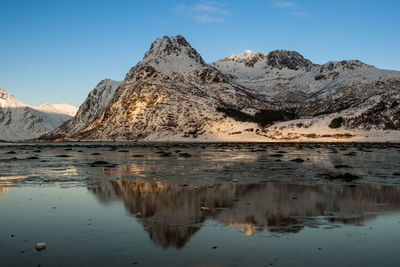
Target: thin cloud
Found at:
286, 4
301, 14
209, 12
295, 10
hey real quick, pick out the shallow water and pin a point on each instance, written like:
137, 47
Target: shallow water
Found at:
200, 204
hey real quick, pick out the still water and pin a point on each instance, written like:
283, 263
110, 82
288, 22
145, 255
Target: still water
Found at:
200, 204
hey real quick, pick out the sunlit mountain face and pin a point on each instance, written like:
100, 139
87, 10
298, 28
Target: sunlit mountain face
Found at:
173, 213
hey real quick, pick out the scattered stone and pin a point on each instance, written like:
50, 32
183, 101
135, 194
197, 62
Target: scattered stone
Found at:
138, 156
102, 163
276, 155
204, 208
299, 160
96, 154
184, 155
342, 166
33, 158
40, 246
63, 156
214, 247
347, 177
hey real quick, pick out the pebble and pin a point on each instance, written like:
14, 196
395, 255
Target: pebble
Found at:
40, 246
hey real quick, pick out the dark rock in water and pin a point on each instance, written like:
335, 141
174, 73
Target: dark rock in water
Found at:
102, 163
63, 156
298, 160
342, 166
37, 151
278, 160
396, 173
96, 154
178, 150
184, 155
40, 246
33, 158
67, 149
138, 156
347, 177
165, 154
10, 152
350, 154
214, 247
276, 155
123, 151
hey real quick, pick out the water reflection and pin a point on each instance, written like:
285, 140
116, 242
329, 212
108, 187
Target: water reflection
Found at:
4, 190
172, 213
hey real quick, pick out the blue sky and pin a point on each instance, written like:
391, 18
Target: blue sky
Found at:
57, 51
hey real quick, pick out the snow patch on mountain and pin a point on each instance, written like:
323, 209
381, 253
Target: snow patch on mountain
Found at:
62, 108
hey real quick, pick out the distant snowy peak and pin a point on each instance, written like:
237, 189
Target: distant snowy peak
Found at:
7, 100
248, 58
19, 121
277, 59
62, 108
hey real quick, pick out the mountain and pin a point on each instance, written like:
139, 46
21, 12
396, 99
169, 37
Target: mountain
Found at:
362, 98
173, 95
93, 107
62, 108
20, 121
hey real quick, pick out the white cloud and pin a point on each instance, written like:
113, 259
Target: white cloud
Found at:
209, 12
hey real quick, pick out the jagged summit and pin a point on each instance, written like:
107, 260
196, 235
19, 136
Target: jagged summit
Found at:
171, 51
287, 59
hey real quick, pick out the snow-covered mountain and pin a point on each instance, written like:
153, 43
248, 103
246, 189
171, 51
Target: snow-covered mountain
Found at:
172, 94
361, 96
62, 108
19, 121
93, 107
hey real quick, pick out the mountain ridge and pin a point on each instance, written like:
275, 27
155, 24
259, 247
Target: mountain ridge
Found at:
172, 94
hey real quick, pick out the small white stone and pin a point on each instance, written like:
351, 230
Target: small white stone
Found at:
40, 246
204, 208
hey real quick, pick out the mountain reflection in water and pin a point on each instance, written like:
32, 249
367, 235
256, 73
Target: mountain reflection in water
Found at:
3, 190
172, 213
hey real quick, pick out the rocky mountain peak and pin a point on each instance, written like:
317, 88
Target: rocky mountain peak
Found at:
169, 47
287, 59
